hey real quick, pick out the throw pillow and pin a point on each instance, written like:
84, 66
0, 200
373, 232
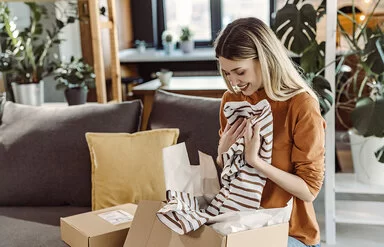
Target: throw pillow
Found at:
127, 168
44, 156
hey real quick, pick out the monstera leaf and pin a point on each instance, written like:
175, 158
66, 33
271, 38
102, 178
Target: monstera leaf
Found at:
296, 28
374, 49
367, 117
323, 90
313, 58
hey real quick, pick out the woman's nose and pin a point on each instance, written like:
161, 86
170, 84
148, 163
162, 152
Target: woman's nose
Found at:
233, 80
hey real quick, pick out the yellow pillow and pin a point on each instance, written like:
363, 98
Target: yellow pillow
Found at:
127, 168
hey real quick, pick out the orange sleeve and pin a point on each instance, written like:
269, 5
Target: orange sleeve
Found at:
223, 119
309, 140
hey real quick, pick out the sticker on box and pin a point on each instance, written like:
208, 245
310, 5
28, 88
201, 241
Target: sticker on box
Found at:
116, 217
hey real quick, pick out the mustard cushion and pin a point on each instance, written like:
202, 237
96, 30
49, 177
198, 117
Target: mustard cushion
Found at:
127, 168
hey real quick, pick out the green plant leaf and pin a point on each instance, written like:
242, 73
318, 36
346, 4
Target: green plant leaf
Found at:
59, 23
367, 117
313, 57
61, 86
296, 28
71, 19
375, 60
321, 10
380, 155
103, 11
323, 89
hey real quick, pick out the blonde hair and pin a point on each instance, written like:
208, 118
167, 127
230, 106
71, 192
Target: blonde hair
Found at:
250, 38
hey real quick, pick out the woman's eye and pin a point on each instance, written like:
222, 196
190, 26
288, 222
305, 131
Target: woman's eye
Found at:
241, 73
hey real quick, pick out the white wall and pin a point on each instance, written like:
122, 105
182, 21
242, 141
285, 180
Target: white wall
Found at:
72, 44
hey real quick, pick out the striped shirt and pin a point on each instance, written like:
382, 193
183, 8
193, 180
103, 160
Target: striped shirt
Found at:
242, 184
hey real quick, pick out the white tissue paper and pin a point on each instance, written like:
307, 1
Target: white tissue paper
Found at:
232, 222
180, 175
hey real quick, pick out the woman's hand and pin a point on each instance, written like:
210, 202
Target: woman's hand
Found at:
252, 144
230, 135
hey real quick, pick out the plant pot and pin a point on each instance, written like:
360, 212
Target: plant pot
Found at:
367, 168
28, 94
76, 95
187, 46
168, 48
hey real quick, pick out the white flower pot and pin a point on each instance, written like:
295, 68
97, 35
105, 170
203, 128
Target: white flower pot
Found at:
187, 46
367, 168
29, 94
168, 48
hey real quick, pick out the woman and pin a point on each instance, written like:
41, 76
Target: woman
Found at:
255, 66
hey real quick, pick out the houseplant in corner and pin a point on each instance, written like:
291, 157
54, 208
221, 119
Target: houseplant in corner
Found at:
26, 56
75, 77
296, 26
362, 85
186, 40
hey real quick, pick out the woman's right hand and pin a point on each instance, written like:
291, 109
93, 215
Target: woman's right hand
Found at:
230, 135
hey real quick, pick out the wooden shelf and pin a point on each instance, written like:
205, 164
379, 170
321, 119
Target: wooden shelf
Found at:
360, 212
347, 183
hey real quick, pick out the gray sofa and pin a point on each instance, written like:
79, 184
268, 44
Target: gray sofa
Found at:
45, 164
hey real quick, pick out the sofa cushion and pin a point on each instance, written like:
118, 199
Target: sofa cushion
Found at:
128, 168
44, 156
196, 117
34, 226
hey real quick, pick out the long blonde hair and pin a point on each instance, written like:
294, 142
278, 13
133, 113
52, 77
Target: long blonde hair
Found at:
250, 38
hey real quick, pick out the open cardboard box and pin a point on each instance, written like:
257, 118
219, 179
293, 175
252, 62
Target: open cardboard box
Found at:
147, 230
100, 228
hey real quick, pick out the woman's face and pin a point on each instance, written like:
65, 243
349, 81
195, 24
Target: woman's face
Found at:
243, 74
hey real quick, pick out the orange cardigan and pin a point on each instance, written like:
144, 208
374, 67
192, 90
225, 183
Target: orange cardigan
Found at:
298, 148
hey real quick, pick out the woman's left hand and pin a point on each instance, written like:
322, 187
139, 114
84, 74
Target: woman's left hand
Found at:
252, 144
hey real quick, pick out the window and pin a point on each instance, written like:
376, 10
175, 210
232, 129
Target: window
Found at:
232, 10
207, 17
194, 13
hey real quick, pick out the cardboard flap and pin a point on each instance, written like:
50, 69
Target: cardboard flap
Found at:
147, 231
276, 235
142, 223
116, 238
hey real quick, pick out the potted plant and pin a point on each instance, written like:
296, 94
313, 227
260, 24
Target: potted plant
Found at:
75, 77
140, 45
299, 36
169, 40
186, 40
27, 53
360, 92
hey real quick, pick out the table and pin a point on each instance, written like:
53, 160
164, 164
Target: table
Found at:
207, 86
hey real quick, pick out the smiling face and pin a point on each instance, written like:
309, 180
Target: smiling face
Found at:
243, 74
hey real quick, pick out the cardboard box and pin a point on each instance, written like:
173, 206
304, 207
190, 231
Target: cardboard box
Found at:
147, 230
100, 228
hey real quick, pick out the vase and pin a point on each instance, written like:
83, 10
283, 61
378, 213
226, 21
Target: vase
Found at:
169, 47
28, 94
76, 95
367, 168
